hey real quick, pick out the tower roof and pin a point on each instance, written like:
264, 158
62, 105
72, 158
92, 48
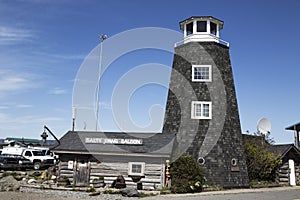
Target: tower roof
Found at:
211, 18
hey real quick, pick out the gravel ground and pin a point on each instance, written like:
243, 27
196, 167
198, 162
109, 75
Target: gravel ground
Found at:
282, 193
37, 194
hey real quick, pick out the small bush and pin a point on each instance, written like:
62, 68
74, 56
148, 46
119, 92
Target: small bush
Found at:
142, 195
187, 176
261, 163
90, 189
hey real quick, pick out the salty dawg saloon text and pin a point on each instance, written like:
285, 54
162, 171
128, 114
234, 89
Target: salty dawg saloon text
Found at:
113, 141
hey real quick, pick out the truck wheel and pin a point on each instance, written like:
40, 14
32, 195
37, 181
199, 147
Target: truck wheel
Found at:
36, 165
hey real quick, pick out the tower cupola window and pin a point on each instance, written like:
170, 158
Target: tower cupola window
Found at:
201, 26
189, 28
213, 28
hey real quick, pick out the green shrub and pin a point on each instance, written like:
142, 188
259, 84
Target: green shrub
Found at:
90, 189
261, 163
187, 176
142, 195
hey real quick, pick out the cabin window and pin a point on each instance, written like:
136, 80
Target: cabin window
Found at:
201, 26
201, 110
136, 168
201, 73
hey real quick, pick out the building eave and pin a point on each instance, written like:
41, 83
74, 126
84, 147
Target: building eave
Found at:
113, 154
295, 127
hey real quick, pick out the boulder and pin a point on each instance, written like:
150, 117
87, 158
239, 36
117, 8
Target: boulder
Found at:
9, 183
31, 181
129, 192
49, 182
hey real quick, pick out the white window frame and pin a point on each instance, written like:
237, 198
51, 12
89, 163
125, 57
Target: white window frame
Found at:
202, 80
193, 114
133, 173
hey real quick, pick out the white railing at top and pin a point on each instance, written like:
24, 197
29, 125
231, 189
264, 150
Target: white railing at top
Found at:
210, 38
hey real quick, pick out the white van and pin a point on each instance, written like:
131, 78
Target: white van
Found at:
37, 157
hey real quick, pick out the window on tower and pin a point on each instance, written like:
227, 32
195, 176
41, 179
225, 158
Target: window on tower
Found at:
201, 73
201, 26
201, 110
213, 28
189, 28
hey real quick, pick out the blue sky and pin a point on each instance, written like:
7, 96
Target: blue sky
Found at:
43, 43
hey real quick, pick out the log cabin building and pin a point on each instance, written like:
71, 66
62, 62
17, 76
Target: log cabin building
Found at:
85, 156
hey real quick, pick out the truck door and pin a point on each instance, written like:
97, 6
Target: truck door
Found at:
27, 154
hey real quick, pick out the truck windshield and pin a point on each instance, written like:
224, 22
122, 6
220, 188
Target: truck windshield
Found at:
38, 153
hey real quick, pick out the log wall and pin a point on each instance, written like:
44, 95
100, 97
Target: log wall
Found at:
282, 174
154, 174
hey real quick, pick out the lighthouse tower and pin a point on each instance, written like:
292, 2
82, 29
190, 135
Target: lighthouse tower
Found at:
202, 108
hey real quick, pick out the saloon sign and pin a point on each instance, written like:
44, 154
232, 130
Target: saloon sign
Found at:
113, 141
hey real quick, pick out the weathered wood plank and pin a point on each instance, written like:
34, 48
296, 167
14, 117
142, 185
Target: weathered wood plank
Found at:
66, 171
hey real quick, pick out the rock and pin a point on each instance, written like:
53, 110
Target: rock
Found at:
9, 183
31, 181
94, 193
22, 173
36, 173
50, 182
129, 192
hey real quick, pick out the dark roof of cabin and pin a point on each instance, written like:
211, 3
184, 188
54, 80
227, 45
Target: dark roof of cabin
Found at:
280, 149
295, 127
151, 143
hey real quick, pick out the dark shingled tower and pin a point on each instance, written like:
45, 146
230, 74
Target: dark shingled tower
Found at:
202, 107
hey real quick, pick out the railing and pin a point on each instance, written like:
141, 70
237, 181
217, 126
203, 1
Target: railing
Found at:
209, 38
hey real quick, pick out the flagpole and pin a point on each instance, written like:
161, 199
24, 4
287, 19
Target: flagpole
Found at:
102, 37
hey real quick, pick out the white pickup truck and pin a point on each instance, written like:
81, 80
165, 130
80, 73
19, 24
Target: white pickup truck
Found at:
37, 157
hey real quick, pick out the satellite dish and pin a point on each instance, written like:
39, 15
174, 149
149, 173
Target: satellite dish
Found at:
264, 126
